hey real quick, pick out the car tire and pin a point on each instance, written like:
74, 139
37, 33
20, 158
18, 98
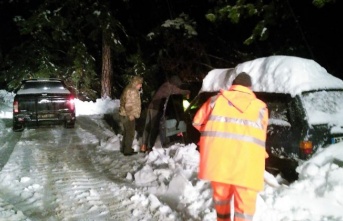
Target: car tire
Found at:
18, 127
69, 125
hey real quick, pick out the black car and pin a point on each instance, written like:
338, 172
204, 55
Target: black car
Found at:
43, 101
291, 134
300, 121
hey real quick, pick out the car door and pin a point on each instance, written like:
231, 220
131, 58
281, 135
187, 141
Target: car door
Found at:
172, 121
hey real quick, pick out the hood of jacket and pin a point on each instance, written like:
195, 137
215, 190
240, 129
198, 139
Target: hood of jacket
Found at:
239, 96
136, 80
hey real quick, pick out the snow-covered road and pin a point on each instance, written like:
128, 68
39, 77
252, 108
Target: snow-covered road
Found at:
54, 173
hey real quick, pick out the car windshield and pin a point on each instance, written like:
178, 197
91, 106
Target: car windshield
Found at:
324, 107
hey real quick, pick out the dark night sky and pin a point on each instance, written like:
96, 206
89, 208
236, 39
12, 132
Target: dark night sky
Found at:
320, 31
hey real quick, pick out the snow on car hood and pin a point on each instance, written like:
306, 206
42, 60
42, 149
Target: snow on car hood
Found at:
278, 74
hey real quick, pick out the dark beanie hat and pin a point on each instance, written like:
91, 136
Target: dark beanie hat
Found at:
175, 80
242, 79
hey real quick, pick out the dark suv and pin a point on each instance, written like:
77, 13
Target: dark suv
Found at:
292, 133
305, 106
39, 101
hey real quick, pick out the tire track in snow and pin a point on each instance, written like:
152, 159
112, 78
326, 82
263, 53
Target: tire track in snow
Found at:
7, 145
93, 195
52, 178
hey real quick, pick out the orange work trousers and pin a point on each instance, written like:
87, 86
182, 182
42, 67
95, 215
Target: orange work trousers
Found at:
244, 202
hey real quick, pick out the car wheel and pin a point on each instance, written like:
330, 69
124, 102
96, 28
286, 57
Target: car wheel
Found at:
69, 125
18, 127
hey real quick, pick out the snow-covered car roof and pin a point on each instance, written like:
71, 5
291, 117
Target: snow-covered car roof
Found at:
276, 74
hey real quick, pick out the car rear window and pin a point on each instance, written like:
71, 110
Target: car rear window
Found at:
324, 107
35, 87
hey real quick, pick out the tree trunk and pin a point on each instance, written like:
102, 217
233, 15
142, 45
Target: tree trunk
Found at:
106, 73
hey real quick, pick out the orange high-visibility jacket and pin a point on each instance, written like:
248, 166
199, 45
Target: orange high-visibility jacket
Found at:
233, 128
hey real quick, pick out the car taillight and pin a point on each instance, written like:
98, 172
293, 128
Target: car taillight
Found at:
15, 106
306, 147
71, 102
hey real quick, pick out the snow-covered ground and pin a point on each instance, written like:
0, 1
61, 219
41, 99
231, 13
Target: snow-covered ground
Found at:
80, 174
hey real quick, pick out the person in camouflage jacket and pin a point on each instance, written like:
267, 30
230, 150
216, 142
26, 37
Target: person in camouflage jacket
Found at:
129, 110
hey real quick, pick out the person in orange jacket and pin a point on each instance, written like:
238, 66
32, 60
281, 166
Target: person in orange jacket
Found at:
233, 127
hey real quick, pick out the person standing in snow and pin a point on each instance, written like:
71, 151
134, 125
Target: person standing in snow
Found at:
155, 110
233, 127
129, 110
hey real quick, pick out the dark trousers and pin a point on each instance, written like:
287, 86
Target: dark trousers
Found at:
128, 134
151, 128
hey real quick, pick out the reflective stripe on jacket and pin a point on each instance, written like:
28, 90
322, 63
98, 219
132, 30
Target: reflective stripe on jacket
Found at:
233, 135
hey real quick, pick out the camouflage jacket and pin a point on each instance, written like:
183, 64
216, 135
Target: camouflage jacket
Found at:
130, 100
